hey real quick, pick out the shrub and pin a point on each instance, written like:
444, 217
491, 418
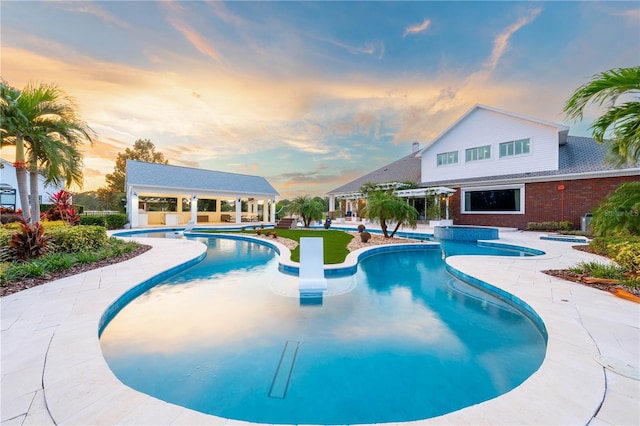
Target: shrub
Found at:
116, 221
29, 242
78, 238
550, 226
10, 218
93, 220
628, 256
365, 236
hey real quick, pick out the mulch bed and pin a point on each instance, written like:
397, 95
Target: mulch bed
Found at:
567, 275
16, 286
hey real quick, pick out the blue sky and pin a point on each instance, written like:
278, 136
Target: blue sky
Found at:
310, 95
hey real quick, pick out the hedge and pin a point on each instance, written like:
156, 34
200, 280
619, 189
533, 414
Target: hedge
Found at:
625, 251
109, 221
550, 226
73, 239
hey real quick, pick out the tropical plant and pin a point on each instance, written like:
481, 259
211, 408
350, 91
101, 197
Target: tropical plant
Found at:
619, 213
41, 121
29, 242
619, 127
142, 150
62, 208
309, 209
385, 207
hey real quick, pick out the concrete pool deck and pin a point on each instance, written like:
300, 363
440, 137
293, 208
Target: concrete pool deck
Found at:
53, 371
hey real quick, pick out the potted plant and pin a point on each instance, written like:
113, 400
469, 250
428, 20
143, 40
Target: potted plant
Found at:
361, 228
365, 236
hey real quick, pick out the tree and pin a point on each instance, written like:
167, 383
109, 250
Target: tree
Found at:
385, 207
619, 213
619, 127
308, 208
143, 150
41, 121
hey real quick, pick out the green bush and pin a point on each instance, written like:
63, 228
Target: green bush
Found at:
73, 239
116, 221
93, 220
109, 221
5, 236
550, 226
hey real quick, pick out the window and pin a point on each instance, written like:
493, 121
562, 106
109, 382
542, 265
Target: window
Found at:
519, 147
499, 200
206, 205
478, 153
159, 204
447, 158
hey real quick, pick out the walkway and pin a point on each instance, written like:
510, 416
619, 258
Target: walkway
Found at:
53, 371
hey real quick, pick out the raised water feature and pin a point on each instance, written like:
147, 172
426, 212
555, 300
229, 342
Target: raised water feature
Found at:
465, 233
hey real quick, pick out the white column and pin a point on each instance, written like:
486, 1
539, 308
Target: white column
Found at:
332, 203
194, 209
447, 209
273, 211
238, 210
133, 209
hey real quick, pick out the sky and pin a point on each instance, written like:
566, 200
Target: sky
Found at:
310, 95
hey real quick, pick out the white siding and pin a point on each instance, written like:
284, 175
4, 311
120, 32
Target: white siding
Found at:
486, 127
8, 177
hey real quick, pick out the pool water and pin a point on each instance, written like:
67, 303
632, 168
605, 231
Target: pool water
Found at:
407, 342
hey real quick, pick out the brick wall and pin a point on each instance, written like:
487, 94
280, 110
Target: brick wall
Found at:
543, 202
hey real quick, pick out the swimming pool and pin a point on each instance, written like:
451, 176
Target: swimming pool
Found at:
223, 338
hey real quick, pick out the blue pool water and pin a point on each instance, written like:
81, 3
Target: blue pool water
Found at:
400, 340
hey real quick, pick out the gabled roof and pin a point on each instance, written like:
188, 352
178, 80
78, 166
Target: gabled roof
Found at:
562, 129
140, 173
406, 169
579, 155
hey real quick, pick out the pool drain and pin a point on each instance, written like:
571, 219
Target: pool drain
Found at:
281, 379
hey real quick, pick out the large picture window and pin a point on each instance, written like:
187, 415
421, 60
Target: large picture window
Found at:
478, 153
206, 205
159, 204
500, 200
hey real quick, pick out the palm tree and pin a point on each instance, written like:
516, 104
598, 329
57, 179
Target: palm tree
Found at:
385, 207
309, 209
621, 121
619, 213
41, 121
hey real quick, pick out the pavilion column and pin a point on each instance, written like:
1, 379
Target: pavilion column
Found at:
238, 210
133, 210
194, 208
446, 212
332, 203
273, 211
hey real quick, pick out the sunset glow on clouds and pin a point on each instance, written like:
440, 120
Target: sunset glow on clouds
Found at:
309, 95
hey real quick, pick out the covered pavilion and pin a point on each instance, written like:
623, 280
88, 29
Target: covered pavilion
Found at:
161, 194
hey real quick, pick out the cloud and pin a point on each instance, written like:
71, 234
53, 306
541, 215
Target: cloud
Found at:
195, 38
501, 42
417, 28
90, 8
373, 48
633, 14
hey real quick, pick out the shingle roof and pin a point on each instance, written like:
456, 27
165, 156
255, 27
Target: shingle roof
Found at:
167, 176
577, 155
406, 169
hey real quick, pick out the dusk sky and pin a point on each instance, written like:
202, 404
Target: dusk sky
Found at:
310, 95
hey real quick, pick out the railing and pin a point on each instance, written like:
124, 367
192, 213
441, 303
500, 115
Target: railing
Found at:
99, 212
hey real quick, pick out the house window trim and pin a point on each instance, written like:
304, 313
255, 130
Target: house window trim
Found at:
448, 164
526, 154
480, 160
463, 196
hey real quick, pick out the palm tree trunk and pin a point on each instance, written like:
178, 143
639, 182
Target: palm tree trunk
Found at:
21, 178
35, 196
383, 225
395, 229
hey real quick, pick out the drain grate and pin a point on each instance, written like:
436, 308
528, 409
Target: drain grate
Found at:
281, 379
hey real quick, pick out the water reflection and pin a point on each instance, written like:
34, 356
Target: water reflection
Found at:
406, 343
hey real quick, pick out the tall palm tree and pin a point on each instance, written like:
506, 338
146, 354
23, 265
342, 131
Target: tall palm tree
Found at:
44, 125
620, 124
308, 208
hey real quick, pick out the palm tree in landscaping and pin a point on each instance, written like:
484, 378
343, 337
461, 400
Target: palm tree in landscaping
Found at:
620, 125
385, 207
42, 123
307, 208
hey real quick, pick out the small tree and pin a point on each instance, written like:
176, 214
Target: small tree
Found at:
307, 208
619, 213
385, 207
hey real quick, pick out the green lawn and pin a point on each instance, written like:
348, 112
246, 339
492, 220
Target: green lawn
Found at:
335, 242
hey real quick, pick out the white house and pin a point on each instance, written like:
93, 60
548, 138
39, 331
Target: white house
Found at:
9, 196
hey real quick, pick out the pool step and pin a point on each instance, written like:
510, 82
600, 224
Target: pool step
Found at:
281, 379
